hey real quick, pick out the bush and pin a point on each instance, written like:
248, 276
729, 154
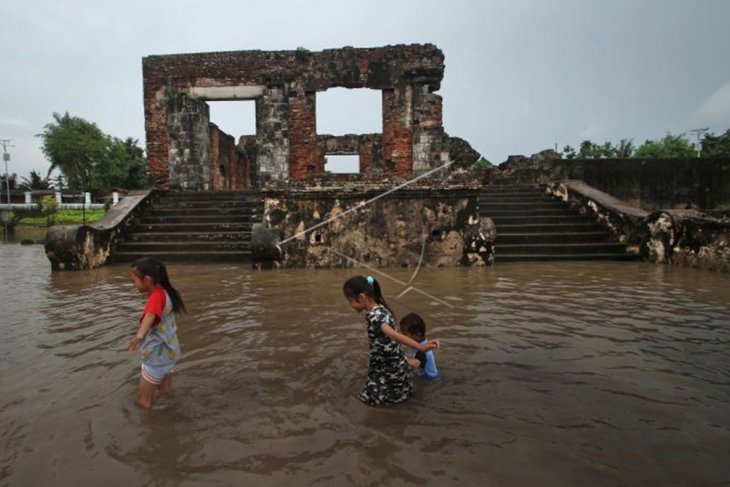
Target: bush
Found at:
65, 217
49, 208
481, 164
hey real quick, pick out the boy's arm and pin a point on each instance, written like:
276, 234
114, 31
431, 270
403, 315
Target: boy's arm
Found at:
407, 341
147, 321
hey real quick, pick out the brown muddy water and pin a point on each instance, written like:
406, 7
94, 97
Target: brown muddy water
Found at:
552, 374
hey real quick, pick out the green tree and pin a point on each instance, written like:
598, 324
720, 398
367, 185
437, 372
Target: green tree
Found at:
91, 160
12, 180
716, 145
625, 149
74, 146
589, 150
670, 147
35, 182
568, 152
123, 167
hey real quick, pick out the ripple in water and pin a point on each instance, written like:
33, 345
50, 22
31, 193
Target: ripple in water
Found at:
577, 373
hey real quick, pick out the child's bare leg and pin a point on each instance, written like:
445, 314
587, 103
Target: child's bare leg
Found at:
166, 384
145, 393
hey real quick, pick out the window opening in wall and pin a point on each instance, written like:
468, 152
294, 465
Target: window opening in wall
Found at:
343, 111
235, 118
349, 164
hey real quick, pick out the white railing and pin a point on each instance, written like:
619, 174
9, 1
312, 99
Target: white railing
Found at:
87, 204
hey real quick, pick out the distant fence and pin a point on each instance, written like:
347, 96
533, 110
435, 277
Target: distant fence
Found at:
29, 200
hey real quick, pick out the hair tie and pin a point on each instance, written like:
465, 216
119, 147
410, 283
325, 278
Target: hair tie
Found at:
371, 280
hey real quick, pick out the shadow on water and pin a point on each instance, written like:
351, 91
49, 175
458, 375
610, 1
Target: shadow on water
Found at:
578, 373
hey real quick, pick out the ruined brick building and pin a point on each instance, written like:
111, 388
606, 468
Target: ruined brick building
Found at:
187, 151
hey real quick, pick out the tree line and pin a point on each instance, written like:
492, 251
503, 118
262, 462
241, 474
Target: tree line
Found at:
669, 147
87, 159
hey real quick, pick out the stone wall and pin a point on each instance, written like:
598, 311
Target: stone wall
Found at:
689, 237
645, 183
683, 237
369, 148
435, 228
284, 85
229, 168
79, 247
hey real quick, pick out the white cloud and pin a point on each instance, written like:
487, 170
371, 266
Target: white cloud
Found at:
715, 110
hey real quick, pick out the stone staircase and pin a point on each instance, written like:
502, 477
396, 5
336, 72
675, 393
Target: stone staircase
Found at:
534, 226
195, 226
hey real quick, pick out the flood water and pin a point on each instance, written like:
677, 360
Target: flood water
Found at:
552, 374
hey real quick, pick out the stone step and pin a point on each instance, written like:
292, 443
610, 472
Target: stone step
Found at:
184, 246
509, 188
212, 195
548, 238
209, 204
510, 197
499, 258
162, 211
188, 236
578, 226
201, 219
537, 219
523, 206
212, 256
187, 227
560, 248
536, 212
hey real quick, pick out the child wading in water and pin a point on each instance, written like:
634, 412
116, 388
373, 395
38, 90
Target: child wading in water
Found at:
389, 375
423, 363
156, 337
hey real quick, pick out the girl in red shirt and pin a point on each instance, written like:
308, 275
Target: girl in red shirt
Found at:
156, 338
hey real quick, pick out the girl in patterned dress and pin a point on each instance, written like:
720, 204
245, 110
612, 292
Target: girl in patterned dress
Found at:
156, 337
389, 375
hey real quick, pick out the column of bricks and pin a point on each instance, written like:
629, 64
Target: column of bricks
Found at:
304, 160
397, 132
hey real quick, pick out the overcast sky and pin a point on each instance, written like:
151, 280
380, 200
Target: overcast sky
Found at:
521, 75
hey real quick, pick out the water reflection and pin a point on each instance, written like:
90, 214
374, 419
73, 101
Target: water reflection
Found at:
579, 373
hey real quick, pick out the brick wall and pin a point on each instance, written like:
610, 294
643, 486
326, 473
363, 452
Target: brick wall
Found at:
304, 160
286, 143
397, 131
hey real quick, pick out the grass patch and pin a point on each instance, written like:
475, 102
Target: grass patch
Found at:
64, 217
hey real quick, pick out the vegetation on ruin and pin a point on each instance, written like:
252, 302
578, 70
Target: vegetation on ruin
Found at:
91, 160
482, 163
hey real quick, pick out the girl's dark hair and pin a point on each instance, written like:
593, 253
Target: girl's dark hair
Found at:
413, 325
357, 285
157, 271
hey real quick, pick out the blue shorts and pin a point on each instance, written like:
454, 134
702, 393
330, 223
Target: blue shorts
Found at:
155, 373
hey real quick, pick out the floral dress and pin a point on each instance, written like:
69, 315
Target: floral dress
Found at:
389, 375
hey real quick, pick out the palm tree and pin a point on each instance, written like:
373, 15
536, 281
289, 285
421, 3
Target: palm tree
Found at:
35, 182
625, 148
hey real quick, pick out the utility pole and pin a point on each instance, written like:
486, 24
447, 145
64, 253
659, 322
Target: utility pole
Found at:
698, 133
6, 158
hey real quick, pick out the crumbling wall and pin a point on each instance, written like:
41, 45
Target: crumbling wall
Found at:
645, 183
684, 237
228, 167
689, 237
433, 228
369, 148
80, 247
284, 85
189, 147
